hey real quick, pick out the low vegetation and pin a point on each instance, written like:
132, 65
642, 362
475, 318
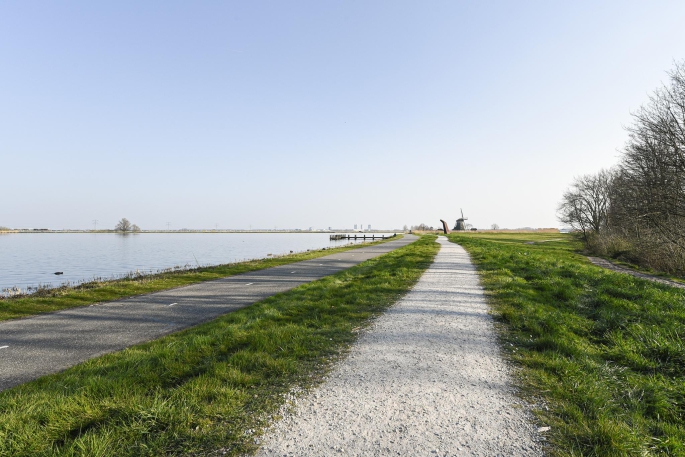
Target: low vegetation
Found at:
600, 353
54, 299
208, 390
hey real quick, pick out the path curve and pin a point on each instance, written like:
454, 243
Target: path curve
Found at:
426, 379
619, 269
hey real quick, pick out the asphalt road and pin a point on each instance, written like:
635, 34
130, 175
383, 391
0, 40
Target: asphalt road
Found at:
49, 343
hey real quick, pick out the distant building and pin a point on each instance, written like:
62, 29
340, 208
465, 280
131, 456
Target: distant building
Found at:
355, 226
369, 228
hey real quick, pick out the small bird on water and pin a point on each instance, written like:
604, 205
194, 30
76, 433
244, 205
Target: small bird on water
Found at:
59, 272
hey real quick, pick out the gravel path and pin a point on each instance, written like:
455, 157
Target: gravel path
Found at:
613, 267
426, 379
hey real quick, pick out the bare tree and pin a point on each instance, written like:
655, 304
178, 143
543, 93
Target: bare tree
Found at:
585, 205
135, 228
494, 227
653, 164
124, 225
637, 210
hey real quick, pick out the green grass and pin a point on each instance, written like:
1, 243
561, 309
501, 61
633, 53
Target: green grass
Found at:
601, 353
211, 388
47, 300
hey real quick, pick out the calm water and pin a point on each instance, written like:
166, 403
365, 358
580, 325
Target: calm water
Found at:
29, 260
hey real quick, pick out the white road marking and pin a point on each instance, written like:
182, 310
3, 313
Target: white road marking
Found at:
3, 347
292, 272
249, 283
173, 304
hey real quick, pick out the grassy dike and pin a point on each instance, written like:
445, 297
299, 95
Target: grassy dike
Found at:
48, 300
212, 388
602, 354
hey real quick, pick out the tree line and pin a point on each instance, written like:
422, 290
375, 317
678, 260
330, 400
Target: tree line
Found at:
635, 211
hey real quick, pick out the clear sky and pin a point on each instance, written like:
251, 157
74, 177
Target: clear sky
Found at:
321, 113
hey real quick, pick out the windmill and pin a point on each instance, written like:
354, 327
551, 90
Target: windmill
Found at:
460, 225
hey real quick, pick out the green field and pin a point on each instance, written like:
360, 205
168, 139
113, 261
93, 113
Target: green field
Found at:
600, 354
47, 300
211, 389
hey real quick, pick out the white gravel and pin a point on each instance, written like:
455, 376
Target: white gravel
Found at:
426, 378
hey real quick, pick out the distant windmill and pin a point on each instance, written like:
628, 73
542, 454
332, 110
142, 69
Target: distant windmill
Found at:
460, 225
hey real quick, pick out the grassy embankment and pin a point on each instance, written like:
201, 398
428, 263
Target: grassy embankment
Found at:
209, 389
47, 300
603, 351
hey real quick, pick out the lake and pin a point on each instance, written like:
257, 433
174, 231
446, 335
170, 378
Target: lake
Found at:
31, 259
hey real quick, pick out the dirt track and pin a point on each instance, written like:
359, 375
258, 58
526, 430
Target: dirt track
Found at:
613, 267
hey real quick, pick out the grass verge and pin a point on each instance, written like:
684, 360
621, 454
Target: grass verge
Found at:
601, 352
210, 389
48, 300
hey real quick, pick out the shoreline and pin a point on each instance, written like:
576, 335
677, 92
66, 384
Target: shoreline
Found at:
91, 292
399, 232
209, 389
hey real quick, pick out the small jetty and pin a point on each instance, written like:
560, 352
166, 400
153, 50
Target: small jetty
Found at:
363, 236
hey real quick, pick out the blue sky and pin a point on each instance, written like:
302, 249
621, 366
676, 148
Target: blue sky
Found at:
299, 114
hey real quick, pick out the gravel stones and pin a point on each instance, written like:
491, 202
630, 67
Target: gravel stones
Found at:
426, 378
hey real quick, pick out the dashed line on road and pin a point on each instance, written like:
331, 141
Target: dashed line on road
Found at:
249, 283
173, 304
4, 347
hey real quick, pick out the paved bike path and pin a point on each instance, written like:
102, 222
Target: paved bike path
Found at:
48, 343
